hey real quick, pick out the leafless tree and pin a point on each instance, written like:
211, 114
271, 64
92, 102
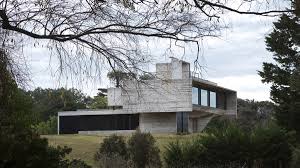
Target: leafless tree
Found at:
85, 33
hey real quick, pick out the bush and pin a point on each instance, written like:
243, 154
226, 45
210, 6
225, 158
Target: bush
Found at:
179, 154
111, 161
271, 146
112, 152
113, 145
231, 146
142, 150
295, 162
22, 148
47, 127
75, 163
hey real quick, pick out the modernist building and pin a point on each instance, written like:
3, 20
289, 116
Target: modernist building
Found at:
173, 102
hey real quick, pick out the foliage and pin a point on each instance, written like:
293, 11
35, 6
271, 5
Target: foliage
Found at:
232, 146
98, 102
284, 73
295, 162
47, 102
75, 163
146, 76
142, 150
20, 147
118, 77
249, 114
47, 127
113, 145
184, 154
112, 152
112, 161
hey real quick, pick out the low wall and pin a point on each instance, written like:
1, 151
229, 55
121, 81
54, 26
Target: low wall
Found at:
158, 122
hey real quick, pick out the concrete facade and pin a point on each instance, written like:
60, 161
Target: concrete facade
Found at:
164, 104
158, 122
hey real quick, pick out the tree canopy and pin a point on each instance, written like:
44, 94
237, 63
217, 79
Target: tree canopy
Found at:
284, 73
47, 102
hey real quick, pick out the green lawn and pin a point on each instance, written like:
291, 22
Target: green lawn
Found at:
85, 146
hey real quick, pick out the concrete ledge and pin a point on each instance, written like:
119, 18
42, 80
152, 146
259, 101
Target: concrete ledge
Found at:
106, 132
94, 112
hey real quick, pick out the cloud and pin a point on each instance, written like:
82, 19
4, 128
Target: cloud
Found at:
247, 86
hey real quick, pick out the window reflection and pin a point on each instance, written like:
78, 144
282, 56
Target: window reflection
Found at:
203, 97
195, 95
212, 99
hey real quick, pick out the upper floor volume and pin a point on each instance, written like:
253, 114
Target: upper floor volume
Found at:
174, 101
174, 89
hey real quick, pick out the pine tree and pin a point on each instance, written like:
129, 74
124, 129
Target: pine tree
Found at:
284, 73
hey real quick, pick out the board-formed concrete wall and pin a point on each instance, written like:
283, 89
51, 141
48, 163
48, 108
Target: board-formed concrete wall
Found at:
158, 96
114, 97
158, 122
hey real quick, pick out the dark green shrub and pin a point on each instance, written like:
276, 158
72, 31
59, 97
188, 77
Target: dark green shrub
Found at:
112, 152
179, 154
113, 145
111, 161
47, 127
75, 163
271, 145
22, 148
143, 151
295, 162
232, 146
225, 144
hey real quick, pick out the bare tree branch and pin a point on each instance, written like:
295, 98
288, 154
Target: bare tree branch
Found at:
111, 31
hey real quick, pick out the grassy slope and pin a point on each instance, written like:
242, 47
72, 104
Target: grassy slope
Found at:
85, 146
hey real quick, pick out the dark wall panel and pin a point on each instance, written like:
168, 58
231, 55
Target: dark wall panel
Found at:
69, 124
73, 124
182, 122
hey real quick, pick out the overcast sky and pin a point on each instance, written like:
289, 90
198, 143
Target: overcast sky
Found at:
231, 60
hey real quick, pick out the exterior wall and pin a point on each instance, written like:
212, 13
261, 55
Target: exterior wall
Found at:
114, 97
186, 74
158, 96
177, 69
163, 71
221, 102
199, 123
158, 122
231, 104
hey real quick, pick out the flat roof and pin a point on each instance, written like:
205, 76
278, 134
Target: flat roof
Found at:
93, 112
209, 84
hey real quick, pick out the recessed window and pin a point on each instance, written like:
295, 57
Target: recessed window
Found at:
212, 99
195, 95
204, 97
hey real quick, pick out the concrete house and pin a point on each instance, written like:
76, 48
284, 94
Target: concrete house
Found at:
173, 102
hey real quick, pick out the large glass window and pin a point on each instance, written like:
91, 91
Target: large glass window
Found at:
195, 95
212, 99
204, 97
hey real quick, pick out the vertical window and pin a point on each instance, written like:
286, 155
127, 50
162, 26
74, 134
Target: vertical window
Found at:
212, 99
204, 97
195, 95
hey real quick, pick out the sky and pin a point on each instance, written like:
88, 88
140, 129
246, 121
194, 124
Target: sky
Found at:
232, 60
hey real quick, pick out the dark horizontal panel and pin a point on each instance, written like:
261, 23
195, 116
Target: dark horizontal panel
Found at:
73, 124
